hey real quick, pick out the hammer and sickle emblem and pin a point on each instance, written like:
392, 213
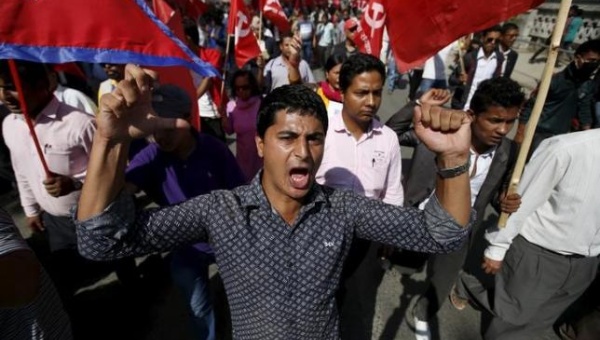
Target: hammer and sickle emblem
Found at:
372, 21
240, 32
270, 6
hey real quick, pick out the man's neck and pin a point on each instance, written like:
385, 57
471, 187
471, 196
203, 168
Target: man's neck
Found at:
479, 147
504, 49
287, 207
356, 129
350, 45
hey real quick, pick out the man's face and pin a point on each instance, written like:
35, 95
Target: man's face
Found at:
489, 41
115, 71
285, 46
491, 125
10, 97
588, 59
508, 38
349, 32
333, 76
292, 149
363, 97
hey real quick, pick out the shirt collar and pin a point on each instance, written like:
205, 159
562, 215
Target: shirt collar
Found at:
337, 123
253, 195
488, 154
481, 55
51, 109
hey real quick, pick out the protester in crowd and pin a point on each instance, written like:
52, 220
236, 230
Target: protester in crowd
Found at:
326, 38
280, 241
65, 137
288, 68
208, 89
510, 33
547, 255
480, 64
30, 308
361, 154
434, 70
306, 30
329, 89
571, 95
242, 111
114, 72
176, 166
574, 22
347, 47
494, 109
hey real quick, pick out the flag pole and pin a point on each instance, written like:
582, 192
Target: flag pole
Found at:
17, 80
261, 25
461, 42
226, 68
539, 102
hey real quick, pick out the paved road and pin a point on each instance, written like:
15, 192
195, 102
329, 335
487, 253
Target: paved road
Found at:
378, 299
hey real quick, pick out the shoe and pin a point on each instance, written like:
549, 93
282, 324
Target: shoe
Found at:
457, 301
422, 331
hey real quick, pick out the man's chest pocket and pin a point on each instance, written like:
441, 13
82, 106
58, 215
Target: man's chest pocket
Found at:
62, 160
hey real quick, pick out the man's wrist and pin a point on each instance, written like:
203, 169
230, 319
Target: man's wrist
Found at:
448, 161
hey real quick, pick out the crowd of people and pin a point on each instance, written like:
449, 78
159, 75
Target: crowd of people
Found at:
315, 180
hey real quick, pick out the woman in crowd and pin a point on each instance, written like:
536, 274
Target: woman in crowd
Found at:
241, 120
329, 89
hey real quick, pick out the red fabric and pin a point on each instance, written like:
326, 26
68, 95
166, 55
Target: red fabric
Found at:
176, 75
213, 57
370, 35
330, 92
102, 26
419, 29
245, 44
70, 68
192, 8
273, 11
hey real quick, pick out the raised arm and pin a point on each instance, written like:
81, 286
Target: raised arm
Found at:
124, 114
448, 134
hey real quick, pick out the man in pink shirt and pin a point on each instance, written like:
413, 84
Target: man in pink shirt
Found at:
65, 136
361, 154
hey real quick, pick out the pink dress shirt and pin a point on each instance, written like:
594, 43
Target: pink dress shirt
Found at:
370, 166
65, 136
242, 122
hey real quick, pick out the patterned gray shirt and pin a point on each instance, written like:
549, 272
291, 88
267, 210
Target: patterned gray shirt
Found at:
280, 279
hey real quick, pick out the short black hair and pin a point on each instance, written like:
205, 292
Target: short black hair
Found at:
251, 80
31, 73
357, 64
495, 28
297, 99
501, 91
509, 26
588, 46
335, 59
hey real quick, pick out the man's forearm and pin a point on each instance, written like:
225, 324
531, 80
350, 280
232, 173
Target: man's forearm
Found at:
454, 194
105, 177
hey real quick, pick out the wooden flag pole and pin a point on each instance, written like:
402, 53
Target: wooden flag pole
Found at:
261, 25
461, 42
539, 103
17, 81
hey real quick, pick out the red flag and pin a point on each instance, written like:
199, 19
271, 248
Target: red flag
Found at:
419, 29
192, 8
176, 75
369, 35
246, 47
104, 34
273, 11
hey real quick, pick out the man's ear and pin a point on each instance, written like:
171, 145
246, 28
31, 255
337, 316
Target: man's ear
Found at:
260, 144
471, 115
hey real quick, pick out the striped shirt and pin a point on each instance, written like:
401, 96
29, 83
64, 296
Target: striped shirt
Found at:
44, 317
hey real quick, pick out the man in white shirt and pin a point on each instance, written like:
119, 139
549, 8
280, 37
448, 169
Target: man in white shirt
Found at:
481, 64
510, 32
548, 253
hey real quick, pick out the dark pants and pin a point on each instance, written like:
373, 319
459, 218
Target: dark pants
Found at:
533, 288
442, 273
213, 127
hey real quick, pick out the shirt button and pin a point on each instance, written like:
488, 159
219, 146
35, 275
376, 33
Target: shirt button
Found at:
290, 294
290, 264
